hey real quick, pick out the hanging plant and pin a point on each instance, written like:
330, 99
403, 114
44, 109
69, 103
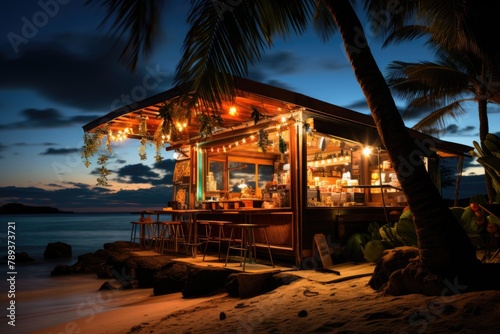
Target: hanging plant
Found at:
92, 143
256, 115
102, 180
143, 132
175, 113
282, 144
142, 149
166, 112
263, 140
208, 124
159, 141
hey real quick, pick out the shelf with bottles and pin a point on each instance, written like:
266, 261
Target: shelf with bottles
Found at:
329, 159
384, 175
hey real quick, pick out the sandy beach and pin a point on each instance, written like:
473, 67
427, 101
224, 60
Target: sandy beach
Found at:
303, 306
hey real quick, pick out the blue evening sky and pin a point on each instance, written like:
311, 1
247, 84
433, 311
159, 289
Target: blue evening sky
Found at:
58, 71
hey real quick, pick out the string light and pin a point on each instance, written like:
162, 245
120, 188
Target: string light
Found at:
119, 135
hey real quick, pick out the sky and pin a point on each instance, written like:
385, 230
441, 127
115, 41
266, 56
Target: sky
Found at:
59, 69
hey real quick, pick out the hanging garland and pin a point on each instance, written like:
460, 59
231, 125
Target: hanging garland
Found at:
208, 123
102, 180
263, 140
92, 143
158, 141
143, 132
282, 144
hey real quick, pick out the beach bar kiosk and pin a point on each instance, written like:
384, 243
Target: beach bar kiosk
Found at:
298, 164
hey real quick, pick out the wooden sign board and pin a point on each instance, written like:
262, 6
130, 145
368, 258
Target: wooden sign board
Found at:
324, 253
323, 250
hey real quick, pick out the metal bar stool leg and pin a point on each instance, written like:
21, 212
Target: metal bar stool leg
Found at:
268, 247
133, 234
208, 234
229, 245
220, 234
244, 245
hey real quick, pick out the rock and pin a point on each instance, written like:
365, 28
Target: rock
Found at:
279, 279
415, 278
57, 250
117, 245
144, 268
89, 263
247, 285
204, 280
22, 257
232, 286
61, 269
393, 259
170, 279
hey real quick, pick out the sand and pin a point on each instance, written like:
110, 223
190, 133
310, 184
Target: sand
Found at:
303, 306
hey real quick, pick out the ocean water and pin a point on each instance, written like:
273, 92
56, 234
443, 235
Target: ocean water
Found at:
41, 299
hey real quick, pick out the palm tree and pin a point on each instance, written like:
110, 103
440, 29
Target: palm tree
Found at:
443, 87
223, 43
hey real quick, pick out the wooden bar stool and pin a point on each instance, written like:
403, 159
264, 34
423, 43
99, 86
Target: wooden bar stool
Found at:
146, 234
210, 237
171, 234
247, 242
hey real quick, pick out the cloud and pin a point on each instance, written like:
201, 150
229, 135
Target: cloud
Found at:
35, 144
160, 174
84, 73
60, 151
455, 130
282, 62
287, 62
45, 118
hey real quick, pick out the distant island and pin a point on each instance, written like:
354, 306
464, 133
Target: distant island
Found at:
18, 208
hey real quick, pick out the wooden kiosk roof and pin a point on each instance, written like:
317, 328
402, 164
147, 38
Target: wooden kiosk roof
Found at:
270, 101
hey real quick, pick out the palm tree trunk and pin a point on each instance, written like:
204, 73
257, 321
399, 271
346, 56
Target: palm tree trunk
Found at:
444, 245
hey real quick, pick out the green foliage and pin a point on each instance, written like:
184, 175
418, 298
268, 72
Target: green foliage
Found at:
102, 180
282, 145
208, 123
373, 250
92, 143
488, 154
158, 141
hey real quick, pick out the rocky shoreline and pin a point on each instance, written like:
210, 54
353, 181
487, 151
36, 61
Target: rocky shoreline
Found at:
164, 274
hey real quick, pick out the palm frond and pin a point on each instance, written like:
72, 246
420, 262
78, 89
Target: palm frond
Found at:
224, 42
323, 22
136, 21
438, 119
429, 81
406, 34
